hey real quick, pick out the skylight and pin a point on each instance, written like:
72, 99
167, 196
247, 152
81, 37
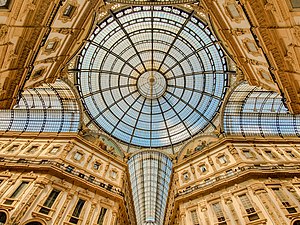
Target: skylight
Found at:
152, 76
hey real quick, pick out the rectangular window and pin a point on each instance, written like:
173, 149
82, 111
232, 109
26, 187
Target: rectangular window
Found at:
69, 169
247, 154
78, 156
32, 149
186, 176
49, 202
203, 168
69, 10
229, 172
295, 3
291, 154
270, 154
91, 178
96, 166
222, 159
252, 215
51, 45
4, 4
13, 148
22, 161
294, 193
101, 216
207, 180
284, 200
54, 150
219, 213
37, 74
251, 46
233, 11
195, 217
113, 174
16, 193
76, 213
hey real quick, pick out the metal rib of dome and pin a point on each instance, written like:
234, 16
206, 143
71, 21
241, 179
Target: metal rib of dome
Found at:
152, 76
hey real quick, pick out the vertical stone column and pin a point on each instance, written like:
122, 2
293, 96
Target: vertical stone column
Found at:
203, 207
229, 203
182, 218
88, 161
63, 209
66, 150
10, 182
293, 193
91, 213
114, 217
211, 163
265, 199
234, 153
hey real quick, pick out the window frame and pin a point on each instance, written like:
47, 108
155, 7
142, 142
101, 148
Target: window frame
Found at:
47, 207
285, 201
15, 194
77, 212
194, 220
6, 6
100, 220
251, 213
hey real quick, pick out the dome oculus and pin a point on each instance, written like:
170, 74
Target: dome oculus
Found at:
152, 76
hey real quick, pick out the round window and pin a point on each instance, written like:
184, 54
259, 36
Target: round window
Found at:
3, 218
296, 222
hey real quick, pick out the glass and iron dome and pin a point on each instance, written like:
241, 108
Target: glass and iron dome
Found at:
152, 76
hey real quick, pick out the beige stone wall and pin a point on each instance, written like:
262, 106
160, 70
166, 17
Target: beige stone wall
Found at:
261, 173
70, 164
37, 39
267, 207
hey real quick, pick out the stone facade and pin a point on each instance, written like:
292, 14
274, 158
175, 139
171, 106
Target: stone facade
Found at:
237, 182
31, 168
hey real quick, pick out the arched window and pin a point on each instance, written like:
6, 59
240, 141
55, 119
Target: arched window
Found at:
3, 218
34, 223
296, 222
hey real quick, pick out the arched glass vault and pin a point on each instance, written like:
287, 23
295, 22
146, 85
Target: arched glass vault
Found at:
152, 76
253, 111
48, 108
150, 174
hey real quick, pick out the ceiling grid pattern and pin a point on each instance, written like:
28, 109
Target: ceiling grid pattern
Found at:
152, 76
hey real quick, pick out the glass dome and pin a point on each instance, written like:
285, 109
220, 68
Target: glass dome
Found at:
152, 76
